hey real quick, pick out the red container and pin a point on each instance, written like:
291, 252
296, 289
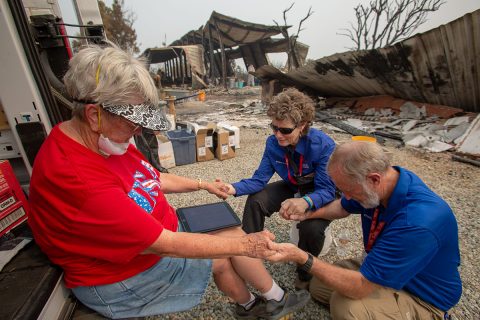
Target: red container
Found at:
13, 203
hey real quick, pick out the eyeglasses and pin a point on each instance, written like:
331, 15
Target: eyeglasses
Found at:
133, 127
282, 130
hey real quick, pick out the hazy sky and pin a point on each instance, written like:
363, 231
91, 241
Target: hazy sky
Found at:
156, 19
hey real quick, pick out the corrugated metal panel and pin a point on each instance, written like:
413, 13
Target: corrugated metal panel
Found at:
235, 32
440, 66
470, 143
194, 54
252, 41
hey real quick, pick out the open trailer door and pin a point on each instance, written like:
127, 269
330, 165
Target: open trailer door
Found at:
34, 55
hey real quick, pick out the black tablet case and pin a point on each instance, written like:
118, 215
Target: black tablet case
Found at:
207, 217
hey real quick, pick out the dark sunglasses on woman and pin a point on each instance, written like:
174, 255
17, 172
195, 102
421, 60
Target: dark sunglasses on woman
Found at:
282, 130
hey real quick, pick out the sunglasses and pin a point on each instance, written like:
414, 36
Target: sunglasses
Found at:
282, 130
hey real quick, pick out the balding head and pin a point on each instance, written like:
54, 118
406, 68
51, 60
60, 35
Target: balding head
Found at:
356, 159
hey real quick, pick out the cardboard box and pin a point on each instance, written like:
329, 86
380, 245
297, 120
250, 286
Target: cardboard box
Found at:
224, 144
235, 129
204, 144
203, 141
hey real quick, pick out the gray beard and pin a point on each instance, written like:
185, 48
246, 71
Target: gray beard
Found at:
373, 200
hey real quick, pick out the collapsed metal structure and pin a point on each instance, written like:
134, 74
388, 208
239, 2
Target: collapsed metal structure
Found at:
222, 40
182, 64
440, 66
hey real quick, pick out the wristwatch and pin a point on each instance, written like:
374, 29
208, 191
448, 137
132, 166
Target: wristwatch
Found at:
308, 264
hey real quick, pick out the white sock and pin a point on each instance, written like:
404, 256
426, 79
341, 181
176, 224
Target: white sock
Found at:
247, 305
276, 293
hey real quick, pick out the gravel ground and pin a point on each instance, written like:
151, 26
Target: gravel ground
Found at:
456, 182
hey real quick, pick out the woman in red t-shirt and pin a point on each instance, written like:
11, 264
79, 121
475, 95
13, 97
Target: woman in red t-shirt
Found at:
99, 211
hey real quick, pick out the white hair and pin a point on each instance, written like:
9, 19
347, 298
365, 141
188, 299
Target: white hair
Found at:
108, 74
357, 159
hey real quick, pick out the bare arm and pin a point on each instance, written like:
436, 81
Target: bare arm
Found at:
350, 283
171, 183
227, 243
331, 211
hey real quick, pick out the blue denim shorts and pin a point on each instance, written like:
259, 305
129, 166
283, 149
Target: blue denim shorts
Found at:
172, 285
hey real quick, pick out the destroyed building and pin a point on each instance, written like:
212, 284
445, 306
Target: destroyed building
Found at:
203, 55
438, 67
402, 90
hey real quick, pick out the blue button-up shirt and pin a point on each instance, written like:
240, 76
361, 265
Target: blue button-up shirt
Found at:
316, 148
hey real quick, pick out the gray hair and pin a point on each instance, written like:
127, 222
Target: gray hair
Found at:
356, 159
108, 74
293, 105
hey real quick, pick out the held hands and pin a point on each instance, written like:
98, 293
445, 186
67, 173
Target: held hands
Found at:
226, 187
261, 245
217, 188
294, 209
258, 244
286, 252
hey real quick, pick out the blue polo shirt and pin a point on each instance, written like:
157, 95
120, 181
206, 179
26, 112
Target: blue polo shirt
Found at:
316, 148
417, 251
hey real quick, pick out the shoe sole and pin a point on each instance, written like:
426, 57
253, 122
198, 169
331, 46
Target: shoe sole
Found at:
289, 314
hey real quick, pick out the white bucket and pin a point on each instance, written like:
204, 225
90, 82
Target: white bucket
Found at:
231, 83
294, 237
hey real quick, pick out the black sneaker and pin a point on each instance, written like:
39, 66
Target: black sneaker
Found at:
257, 309
283, 309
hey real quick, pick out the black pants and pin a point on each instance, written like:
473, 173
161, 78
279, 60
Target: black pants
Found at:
264, 203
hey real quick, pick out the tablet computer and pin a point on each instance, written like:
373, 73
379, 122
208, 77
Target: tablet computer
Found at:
207, 217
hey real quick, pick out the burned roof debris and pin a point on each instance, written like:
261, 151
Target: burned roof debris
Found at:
440, 67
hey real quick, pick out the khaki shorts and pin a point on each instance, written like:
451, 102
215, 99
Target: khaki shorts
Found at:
383, 303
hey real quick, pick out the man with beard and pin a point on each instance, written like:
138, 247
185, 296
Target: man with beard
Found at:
410, 235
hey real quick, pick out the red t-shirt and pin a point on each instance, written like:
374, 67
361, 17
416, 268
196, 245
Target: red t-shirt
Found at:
93, 216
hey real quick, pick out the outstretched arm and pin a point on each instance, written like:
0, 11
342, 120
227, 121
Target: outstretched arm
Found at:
221, 244
350, 283
171, 183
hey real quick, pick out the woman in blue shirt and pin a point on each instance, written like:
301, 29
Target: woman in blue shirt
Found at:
299, 155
